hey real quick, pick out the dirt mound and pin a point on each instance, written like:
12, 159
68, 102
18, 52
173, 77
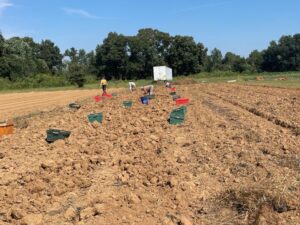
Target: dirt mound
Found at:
224, 165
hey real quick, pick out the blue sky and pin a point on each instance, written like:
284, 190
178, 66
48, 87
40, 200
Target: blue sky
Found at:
230, 25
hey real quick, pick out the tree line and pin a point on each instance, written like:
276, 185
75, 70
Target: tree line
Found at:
133, 57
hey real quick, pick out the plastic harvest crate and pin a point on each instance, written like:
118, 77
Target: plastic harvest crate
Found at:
178, 115
176, 120
127, 104
179, 112
6, 129
54, 134
182, 101
97, 98
74, 106
95, 117
106, 95
144, 100
173, 93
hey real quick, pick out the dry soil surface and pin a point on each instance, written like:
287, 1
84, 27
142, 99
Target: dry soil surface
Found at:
232, 162
18, 104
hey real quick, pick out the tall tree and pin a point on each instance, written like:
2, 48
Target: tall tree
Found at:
114, 56
154, 46
284, 55
49, 52
214, 60
235, 63
255, 60
184, 55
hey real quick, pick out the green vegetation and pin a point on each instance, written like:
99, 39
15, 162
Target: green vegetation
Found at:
290, 79
27, 64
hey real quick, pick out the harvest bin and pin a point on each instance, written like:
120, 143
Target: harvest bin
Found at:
95, 117
107, 95
127, 104
173, 89
54, 134
182, 101
179, 111
178, 115
6, 129
144, 100
97, 98
74, 106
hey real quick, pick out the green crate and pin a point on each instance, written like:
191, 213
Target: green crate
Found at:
173, 93
176, 120
95, 117
179, 112
54, 134
177, 116
127, 104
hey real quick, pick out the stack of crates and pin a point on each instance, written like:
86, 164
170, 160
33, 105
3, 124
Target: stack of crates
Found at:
177, 116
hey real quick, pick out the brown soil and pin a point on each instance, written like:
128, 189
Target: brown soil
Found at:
18, 104
224, 165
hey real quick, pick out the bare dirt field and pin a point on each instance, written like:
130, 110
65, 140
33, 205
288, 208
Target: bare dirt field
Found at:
18, 104
235, 160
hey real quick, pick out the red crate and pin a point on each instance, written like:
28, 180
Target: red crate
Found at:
182, 101
173, 89
107, 95
97, 98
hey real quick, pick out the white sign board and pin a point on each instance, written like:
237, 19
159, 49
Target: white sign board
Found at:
162, 73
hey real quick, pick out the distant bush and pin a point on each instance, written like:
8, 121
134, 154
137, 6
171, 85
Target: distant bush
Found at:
35, 81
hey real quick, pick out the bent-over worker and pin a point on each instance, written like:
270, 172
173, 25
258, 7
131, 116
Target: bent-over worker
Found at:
148, 89
132, 86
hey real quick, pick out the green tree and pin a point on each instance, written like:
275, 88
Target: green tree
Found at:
214, 61
184, 55
202, 56
255, 60
235, 63
50, 53
77, 74
72, 53
113, 56
2, 43
153, 48
284, 55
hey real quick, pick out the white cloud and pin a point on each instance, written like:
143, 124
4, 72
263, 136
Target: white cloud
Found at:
4, 4
80, 12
